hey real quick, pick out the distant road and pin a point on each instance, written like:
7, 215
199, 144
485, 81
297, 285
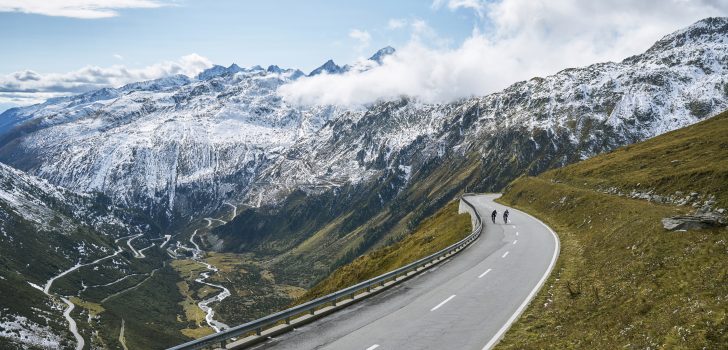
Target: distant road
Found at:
467, 302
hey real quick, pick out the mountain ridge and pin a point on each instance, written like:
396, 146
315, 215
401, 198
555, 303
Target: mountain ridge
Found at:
313, 187
247, 100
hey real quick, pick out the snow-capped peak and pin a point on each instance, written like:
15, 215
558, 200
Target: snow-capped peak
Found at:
383, 52
329, 68
212, 72
375, 60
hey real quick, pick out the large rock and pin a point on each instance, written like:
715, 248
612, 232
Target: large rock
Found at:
693, 222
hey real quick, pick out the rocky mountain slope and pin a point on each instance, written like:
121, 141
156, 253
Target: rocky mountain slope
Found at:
166, 145
181, 146
397, 161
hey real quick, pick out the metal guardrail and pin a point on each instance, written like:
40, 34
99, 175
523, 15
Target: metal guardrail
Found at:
258, 326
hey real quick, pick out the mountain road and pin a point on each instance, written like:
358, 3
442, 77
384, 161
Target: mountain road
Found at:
466, 302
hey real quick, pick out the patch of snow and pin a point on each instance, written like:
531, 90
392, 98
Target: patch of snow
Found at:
26, 332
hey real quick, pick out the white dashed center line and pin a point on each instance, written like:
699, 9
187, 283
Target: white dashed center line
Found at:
442, 303
373, 347
516, 241
505, 255
516, 233
484, 273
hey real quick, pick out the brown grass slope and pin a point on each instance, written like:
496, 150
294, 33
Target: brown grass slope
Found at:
622, 281
438, 231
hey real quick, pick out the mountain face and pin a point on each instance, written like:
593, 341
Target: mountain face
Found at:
164, 146
369, 175
179, 147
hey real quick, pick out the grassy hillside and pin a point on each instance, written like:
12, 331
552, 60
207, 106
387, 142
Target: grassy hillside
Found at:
436, 232
622, 281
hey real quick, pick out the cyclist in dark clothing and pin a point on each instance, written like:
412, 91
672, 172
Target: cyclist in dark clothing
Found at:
494, 215
505, 216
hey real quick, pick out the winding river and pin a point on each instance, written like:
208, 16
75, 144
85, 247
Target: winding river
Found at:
204, 305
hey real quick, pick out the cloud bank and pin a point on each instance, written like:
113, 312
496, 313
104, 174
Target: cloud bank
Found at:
27, 87
84, 9
513, 40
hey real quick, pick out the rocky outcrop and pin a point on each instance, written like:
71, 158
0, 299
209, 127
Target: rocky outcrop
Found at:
694, 222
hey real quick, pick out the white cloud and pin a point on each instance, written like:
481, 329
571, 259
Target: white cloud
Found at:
28, 87
517, 40
118, 57
362, 37
420, 30
396, 23
85, 9
478, 6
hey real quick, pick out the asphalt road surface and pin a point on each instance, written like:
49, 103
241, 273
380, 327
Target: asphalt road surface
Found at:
466, 302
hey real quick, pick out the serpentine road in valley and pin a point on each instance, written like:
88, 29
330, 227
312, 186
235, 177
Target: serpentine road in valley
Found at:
467, 302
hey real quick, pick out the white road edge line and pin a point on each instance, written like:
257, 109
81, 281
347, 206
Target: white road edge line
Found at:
484, 273
505, 254
373, 347
442, 303
497, 337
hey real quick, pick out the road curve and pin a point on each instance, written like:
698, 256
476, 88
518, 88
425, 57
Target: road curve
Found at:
466, 302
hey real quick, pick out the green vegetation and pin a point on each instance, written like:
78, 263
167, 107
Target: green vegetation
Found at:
622, 281
436, 232
193, 317
693, 159
150, 312
255, 289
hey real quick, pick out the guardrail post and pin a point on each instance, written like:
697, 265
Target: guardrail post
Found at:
333, 303
222, 344
352, 296
369, 289
312, 311
258, 330
288, 320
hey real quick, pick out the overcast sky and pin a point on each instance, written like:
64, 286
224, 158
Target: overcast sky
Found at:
446, 48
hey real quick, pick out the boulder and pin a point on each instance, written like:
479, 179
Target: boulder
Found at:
694, 222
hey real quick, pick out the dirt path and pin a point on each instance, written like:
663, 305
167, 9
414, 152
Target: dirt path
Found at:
122, 340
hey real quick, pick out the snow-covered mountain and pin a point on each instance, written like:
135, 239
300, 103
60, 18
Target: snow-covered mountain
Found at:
163, 145
179, 147
537, 124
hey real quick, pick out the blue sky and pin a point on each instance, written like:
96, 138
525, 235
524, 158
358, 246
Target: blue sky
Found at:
301, 34
446, 49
